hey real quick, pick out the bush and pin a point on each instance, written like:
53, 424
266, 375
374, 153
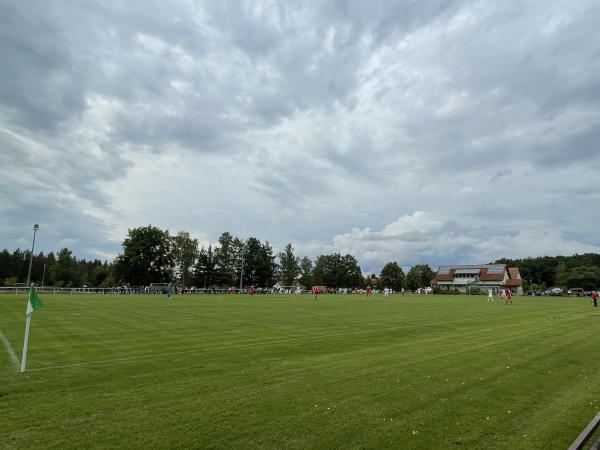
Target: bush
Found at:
446, 291
10, 281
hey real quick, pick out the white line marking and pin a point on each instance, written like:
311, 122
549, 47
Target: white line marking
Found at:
9, 349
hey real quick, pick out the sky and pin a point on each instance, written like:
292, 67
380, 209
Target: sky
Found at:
430, 131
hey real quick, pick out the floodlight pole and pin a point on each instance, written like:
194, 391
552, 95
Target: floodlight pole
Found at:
531, 287
44, 275
35, 228
242, 270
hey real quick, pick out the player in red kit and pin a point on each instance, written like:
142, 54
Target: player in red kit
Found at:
316, 292
369, 290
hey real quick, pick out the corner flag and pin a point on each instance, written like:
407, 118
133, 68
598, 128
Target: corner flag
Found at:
34, 302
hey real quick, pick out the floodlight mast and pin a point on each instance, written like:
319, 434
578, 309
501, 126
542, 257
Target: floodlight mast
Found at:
35, 228
242, 269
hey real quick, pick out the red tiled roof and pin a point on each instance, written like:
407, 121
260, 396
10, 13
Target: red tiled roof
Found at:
513, 272
485, 276
448, 277
514, 279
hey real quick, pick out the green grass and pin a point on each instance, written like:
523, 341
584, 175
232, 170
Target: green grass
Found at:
288, 372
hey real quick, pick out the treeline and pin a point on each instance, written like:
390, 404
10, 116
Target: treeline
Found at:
154, 255
62, 269
151, 255
562, 271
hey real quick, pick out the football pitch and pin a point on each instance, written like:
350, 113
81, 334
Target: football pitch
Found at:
277, 372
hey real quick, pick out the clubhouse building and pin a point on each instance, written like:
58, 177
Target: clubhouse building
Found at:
484, 277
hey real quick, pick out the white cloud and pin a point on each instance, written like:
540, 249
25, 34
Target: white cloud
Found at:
531, 242
433, 131
419, 238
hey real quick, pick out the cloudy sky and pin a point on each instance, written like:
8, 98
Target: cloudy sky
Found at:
425, 131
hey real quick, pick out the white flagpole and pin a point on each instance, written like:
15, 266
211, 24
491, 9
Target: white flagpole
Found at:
29, 310
26, 343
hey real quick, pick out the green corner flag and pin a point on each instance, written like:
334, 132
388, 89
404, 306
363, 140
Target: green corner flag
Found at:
34, 302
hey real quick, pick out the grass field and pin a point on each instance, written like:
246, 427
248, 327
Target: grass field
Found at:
279, 372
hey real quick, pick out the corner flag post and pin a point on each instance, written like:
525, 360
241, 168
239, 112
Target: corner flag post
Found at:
33, 304
29, 305
25, 343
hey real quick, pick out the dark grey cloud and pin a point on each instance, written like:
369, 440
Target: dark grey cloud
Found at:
320, 123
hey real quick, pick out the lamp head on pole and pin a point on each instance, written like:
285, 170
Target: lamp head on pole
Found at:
35, 226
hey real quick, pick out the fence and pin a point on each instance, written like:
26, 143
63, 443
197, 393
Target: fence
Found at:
178, 290
140, 290
586, 434
109, 290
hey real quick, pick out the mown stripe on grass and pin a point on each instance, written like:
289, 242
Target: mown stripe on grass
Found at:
269, 342
241, 345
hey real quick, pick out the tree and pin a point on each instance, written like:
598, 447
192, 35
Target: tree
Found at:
37, 267
65, 271
337, 271
146, 257
587, 278
265, 266
19, 264
324, 273
50, 261
419, 276
185, 252
306, 270
561, 276
289, 265
259, 263
351, 275
98, 275
392, 276
226, 257
204, 271
112, 275
250, 254
5, 269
